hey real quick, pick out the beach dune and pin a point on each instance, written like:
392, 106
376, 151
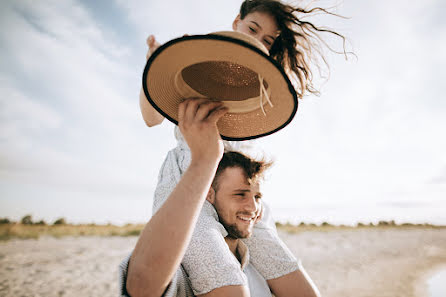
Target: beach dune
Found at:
363, 262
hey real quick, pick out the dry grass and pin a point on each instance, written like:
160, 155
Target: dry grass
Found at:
24, 231
325, 227
8, 231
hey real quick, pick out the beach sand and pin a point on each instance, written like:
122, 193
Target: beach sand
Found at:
365, 262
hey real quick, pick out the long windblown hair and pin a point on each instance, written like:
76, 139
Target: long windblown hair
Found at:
298, 47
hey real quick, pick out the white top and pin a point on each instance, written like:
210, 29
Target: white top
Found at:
244, 146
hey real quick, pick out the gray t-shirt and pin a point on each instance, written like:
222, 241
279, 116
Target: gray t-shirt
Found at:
180, 285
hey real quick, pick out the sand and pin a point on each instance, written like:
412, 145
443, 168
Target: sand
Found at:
361, 262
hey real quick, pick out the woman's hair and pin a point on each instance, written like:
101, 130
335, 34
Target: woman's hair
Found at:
297, 48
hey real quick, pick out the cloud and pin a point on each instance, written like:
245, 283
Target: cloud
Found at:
171, 19
67, 119
439, 178
69, 115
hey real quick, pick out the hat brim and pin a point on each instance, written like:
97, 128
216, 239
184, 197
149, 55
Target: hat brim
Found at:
169, 58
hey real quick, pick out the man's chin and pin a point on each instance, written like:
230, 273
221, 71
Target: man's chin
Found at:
238, 233
245, 233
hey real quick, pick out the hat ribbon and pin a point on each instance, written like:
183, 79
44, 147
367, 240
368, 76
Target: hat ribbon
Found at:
234, 106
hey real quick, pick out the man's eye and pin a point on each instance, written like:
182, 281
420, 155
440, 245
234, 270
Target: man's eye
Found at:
252, 29
267, 42
258, 197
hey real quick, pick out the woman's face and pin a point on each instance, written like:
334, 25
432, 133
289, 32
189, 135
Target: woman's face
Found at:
260, 25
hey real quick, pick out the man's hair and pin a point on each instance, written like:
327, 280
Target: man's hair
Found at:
253, 169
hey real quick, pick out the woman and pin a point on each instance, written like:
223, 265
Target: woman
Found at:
291, 42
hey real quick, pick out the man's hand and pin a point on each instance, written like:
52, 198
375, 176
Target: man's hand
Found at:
197, 119
156, 257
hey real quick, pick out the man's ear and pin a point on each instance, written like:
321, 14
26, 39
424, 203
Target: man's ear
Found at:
211, 196
235, 22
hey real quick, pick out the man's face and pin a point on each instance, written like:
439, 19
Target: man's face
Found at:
237, 202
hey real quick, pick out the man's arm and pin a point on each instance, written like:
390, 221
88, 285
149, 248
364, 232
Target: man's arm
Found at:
294, 284
163, 241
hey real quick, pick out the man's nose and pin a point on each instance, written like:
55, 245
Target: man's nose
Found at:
251, 204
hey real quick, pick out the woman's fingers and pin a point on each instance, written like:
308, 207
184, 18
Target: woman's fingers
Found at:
150, 40
259, 213
152, 44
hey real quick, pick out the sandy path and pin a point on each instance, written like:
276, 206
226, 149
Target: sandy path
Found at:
364, 262
369, 263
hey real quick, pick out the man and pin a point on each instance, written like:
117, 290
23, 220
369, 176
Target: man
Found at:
154, 268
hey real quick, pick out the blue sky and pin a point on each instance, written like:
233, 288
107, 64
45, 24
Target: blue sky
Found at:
73, 144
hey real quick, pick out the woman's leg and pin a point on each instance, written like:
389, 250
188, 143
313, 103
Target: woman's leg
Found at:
269, 255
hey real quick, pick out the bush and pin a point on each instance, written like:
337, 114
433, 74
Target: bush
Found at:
27, 220
41, 222
5, 221
60, 221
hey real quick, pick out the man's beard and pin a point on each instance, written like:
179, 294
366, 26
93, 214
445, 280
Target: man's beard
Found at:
233, 231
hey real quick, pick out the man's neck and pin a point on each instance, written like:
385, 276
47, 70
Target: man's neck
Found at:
232, 244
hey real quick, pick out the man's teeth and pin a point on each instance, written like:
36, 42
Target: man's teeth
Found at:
245, 219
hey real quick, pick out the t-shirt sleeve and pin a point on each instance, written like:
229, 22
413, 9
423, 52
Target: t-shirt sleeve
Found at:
178, 287
122, 276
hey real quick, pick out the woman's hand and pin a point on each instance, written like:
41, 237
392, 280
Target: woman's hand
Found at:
259, 214
153, 45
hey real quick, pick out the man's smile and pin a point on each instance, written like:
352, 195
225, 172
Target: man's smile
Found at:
246, 219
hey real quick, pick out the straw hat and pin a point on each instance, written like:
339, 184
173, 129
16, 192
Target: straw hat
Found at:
232, 67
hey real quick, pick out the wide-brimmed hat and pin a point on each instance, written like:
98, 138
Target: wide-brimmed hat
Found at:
227, 66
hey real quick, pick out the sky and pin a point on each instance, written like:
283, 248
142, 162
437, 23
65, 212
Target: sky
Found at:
73, 143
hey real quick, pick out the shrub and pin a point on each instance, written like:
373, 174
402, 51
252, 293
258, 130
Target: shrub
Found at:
5, 221
60, 221
27, 220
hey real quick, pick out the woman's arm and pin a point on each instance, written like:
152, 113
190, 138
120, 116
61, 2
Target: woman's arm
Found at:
150, 115
163, 242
